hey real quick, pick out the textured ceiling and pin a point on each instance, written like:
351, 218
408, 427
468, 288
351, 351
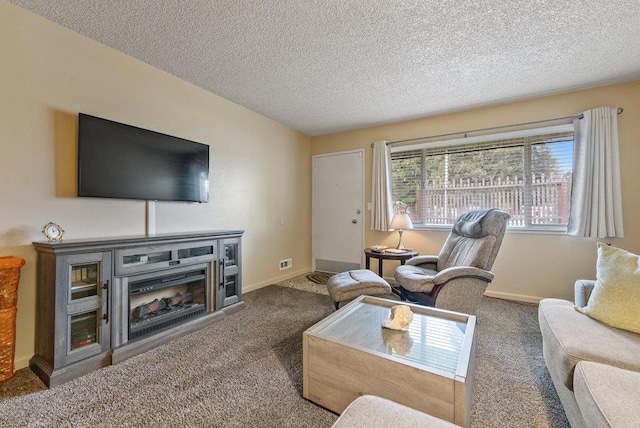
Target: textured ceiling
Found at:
329, 66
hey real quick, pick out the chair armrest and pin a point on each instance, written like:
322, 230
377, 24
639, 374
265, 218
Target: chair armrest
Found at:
582, 290
448, 274
420, 260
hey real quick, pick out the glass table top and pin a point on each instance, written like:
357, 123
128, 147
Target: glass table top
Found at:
431, 341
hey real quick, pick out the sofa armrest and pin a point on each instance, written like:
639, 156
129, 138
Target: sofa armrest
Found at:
430, 261
583, 289
446, 275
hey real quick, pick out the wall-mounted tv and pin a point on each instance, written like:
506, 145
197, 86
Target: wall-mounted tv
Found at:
125, 162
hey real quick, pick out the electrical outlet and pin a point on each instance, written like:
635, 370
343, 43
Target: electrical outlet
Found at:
286, 264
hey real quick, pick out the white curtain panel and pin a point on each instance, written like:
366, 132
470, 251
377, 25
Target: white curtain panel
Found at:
596, 202
381, 209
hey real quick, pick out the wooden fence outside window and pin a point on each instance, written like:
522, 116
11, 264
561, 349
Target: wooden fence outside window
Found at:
444, 202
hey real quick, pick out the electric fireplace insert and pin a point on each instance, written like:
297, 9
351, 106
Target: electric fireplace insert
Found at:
164, 301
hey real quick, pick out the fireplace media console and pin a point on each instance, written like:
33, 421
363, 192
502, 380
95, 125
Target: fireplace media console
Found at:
100, 301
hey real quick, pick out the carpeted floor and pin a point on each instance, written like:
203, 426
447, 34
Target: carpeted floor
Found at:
512, 385
246, 370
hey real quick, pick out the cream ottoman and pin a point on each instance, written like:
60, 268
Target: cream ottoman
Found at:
348, 285
369, 411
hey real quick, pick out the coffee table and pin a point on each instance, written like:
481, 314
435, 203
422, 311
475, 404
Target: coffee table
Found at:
429, 367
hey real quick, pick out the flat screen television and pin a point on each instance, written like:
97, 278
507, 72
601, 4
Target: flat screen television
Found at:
125, 162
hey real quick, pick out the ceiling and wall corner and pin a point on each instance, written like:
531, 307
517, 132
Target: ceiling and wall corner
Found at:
326, 67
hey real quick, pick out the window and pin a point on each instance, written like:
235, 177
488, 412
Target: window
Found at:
526, 173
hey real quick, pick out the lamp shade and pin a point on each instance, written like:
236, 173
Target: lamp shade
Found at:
401, 222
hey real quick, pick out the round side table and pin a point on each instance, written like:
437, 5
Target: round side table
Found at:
402, 257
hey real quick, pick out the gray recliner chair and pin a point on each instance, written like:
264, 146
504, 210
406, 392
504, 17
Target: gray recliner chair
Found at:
457, 278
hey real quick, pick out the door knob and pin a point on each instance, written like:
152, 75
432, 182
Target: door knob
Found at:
354, 221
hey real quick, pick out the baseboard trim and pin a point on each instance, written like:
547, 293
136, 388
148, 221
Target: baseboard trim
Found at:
497, 294
252, 287
21, 363
515, 297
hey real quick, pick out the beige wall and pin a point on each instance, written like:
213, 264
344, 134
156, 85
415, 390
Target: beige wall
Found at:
529, 266
260, 170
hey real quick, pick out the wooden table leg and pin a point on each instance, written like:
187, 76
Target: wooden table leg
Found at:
380, 268
367, 261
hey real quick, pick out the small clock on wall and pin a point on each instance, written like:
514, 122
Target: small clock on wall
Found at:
53, 232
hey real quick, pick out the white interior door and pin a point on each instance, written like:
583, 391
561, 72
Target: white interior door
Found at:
338, 211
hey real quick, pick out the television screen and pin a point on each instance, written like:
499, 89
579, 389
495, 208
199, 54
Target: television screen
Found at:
122, 161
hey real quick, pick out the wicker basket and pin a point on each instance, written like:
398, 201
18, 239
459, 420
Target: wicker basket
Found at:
9, 279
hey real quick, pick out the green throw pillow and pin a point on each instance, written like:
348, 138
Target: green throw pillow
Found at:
615, 299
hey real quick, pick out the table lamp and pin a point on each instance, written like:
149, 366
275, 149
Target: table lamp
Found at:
400, 222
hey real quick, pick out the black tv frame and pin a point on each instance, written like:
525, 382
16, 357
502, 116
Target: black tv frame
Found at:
116, 160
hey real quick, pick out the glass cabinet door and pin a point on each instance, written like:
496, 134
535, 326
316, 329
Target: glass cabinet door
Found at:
230, 254
83, 330
145, 258
230, 286
229, 290
85, 322
84, 280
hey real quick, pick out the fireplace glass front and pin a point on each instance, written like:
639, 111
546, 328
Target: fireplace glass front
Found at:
165, 301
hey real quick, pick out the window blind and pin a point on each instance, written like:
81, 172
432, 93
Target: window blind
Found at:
529, 176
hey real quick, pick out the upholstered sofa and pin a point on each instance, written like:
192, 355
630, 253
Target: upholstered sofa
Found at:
594, 367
